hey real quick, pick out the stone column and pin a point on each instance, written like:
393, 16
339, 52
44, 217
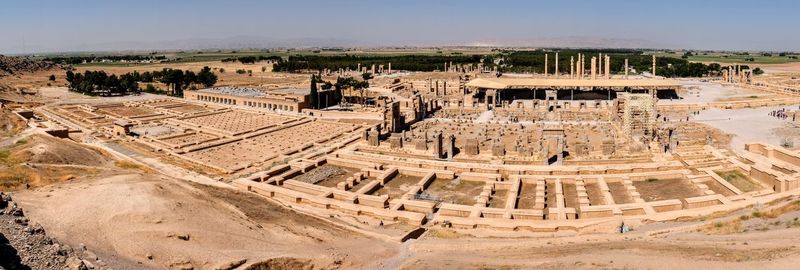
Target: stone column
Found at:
654, 65
608, 67
583, 65
572, 67
390, 67
594, 68
545, 65
560, 151
626, 68
438, 147
451, 147
556, 69
600, 64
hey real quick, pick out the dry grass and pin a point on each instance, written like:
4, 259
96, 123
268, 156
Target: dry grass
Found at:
739, 180
191, 166
41, 160
444, 233
5, 157
10, 124
20, 176
124, 164
10, 178
719, 228
776, 212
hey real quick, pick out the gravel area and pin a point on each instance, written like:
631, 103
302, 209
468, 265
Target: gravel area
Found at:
320, 173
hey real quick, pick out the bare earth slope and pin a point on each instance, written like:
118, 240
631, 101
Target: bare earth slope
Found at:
133, 217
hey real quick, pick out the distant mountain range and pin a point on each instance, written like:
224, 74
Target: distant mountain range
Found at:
579, 42
253, 42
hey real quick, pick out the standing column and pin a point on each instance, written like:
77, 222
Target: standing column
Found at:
607, 72
390, 67
626, 68
594, 68
556, 69
583, 66
600, 64
545, 65
654, 65
572, 67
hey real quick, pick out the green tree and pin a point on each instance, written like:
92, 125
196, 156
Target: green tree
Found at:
70, 76
314, 97
150, 88
206, 77
366, 76
190, 78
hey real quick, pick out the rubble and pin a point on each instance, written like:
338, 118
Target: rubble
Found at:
13, 65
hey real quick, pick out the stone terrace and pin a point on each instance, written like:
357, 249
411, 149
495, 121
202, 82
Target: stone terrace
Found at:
535, 198
235, 122
244, 153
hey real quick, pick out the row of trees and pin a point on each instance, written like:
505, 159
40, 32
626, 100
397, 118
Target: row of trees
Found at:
252, 59
100, 83
507, 61
74, 60
332, 91
298, 63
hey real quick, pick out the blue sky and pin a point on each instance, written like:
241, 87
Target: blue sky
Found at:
51, 25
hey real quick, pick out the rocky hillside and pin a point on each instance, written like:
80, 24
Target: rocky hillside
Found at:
12, 65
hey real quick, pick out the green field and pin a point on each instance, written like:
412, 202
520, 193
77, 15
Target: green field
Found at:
730, 58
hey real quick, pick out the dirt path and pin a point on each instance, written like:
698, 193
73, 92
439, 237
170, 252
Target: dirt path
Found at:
773, 250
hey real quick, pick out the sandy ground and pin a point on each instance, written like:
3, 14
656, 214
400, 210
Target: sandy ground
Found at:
780, 68
127, 217
709, 92
749, 125
762, 250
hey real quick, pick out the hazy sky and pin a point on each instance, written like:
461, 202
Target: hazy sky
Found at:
55, 25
